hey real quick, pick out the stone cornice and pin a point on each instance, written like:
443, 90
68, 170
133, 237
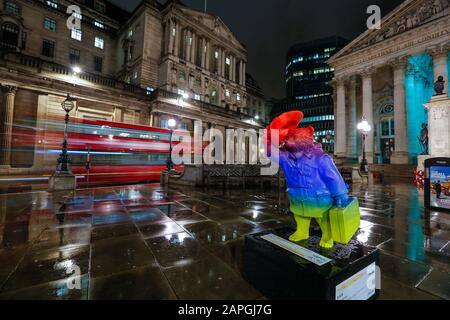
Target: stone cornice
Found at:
411, 42
366, 72
197, 114
61, 88
8, 88
206, 32
439, 50
407, 16
399, 62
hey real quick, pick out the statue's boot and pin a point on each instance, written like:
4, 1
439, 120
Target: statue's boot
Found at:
302, 232
325, 225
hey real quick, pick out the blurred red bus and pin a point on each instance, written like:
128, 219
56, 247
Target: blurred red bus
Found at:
117, 152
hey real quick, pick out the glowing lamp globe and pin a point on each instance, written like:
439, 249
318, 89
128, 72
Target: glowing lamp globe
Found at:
364, 126
172, 123
68, 104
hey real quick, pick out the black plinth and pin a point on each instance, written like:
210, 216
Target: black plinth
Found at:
280, 274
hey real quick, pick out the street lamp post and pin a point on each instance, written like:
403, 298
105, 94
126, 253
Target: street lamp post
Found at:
63, 179
64, 159
364, 127
172, 124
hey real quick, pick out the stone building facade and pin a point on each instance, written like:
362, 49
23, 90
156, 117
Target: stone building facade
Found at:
386, 76
158, 62
258, 105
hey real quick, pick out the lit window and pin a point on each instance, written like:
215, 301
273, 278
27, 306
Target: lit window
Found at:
228, 61
77, 15
130, 33
135, 74
99, 43
50, 24
99, 24
238, 97
12, 8
76, 34
216, 54
227, 92
174, 32
197, 97
52, 4
181, 92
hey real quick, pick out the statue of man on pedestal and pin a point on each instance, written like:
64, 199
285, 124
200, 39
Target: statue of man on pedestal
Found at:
439, 86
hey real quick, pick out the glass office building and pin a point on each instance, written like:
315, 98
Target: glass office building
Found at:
307, 86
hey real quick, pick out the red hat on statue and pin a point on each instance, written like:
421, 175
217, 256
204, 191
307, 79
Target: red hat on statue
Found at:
285, 122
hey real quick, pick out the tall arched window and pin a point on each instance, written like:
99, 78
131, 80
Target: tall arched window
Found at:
10, 34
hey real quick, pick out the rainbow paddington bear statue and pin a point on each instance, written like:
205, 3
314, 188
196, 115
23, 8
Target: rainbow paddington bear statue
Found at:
315, 186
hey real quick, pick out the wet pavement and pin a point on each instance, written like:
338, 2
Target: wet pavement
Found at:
142, 242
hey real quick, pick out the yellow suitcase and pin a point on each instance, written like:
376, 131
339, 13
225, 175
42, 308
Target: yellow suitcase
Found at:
345, 221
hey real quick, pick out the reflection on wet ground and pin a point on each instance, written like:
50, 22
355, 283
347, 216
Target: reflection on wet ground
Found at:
142, 242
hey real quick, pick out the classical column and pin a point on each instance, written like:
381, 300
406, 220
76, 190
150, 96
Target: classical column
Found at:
218, 59
177, 39
244, 70
400, 155
233, 68
352, 137
203, 52
150, 121
368, 111
193, 47
222, 61
440, 58
241, 73
7, 124
39, 146
340, 130
156, 120
188, 45
238, 79
118, 114
166, 36
207, 54
171, 36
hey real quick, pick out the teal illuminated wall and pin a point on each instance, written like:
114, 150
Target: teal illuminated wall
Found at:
419, 82
448, 74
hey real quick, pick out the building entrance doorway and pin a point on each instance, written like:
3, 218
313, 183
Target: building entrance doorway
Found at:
387, 139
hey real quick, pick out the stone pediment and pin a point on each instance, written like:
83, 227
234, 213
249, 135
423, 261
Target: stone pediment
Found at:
407, 16
212, 22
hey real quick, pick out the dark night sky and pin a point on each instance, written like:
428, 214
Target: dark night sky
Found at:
269, 27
